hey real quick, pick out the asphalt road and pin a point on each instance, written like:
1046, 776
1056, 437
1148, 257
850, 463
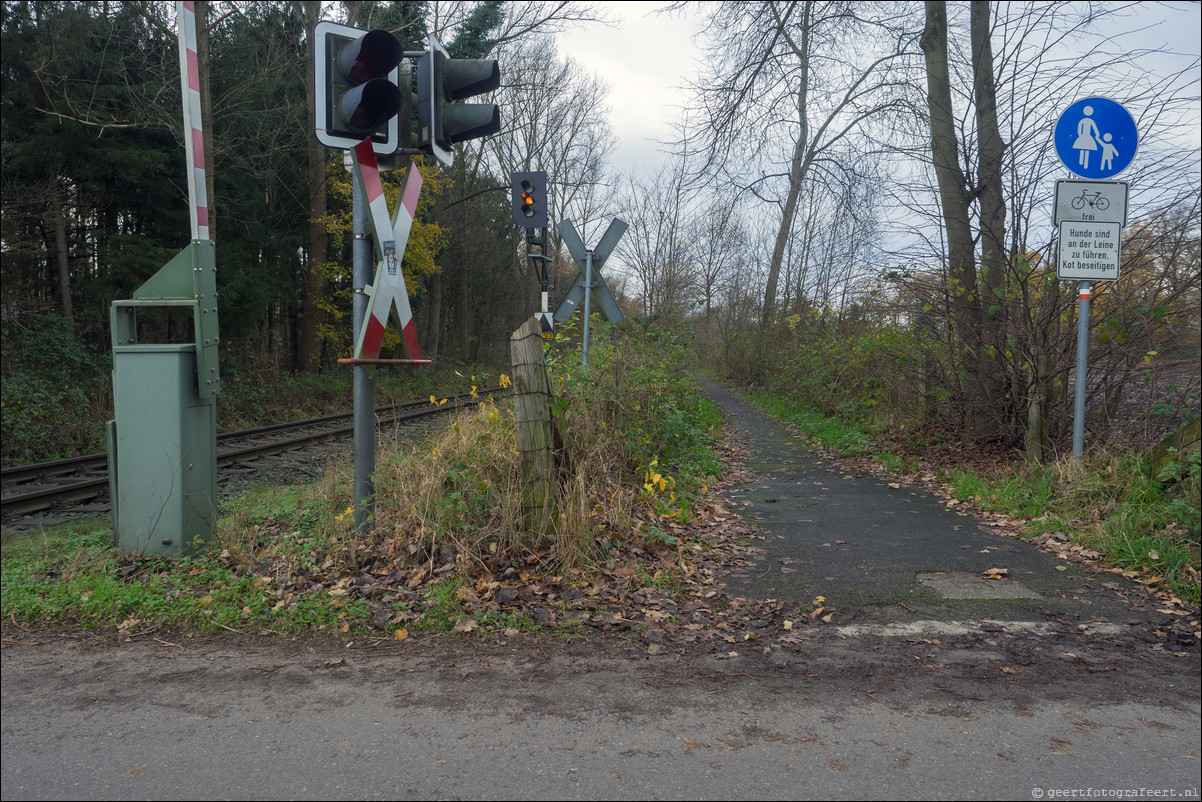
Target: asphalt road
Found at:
924, 685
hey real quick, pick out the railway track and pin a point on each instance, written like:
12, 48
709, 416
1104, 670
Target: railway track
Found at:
44, 486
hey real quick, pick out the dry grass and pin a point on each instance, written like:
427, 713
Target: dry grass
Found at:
462, 491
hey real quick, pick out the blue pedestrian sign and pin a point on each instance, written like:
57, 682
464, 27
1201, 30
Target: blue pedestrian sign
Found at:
1096, 138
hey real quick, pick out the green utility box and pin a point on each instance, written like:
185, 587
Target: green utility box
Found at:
162, 441
165, 496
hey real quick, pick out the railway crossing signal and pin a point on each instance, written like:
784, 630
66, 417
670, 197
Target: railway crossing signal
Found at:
356, 87
590, 261
528, 193
391, 233
362, 91
442, 80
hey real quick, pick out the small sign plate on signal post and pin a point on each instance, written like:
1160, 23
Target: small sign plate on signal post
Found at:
1088, 251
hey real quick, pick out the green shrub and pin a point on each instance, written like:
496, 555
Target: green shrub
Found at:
55, 392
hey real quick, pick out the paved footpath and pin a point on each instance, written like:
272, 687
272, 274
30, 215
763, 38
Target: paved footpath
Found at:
880, 549
926, 685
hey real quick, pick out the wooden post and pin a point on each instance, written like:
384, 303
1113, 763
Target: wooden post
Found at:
532, 413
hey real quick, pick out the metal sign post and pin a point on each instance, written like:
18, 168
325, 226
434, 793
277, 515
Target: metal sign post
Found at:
1083, 294
1095, 138
588, 295
364, 384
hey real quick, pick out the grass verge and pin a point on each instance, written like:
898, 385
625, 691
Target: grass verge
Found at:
449, 549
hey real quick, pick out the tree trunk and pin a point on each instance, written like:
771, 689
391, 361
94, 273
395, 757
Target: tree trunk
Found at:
953, 197
990, 149
1039, 406
796, 174
465, 315
434, 316
60, 247
797, 171
308, 347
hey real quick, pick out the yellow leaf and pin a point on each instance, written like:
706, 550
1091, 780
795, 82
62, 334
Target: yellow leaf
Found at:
400, 634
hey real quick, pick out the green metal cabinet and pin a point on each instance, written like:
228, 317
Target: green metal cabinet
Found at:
162, 441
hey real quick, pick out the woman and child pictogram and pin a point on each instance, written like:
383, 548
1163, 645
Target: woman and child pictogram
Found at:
1089, 139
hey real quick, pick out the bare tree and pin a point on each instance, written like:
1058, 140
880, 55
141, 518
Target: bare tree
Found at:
1010, 373
787, 83
556, 123
654, 248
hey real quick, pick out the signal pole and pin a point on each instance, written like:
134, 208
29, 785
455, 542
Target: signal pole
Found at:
364, 384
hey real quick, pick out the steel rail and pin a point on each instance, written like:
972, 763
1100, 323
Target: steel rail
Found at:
46, 497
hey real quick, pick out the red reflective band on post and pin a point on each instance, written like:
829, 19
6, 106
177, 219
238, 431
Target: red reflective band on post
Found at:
1084, 296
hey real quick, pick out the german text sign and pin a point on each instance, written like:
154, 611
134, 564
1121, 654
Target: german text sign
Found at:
1089, 251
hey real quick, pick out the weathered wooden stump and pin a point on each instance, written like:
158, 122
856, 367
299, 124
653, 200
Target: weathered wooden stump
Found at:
1177, 447
532, 412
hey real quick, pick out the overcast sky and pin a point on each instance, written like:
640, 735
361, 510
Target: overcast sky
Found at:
647, 57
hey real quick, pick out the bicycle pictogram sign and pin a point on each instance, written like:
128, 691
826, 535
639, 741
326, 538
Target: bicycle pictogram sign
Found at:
1095, 201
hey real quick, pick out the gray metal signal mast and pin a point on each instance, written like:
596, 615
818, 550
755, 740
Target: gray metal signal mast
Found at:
366, 89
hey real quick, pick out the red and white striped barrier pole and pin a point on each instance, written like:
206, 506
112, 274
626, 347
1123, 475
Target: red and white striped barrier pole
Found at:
189, 73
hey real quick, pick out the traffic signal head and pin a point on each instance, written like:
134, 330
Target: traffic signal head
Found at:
356, 89
528, 192
442, 80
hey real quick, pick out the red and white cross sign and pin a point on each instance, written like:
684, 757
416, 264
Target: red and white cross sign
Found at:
391, 236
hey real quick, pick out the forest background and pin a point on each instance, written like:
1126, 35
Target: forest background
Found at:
855, 211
